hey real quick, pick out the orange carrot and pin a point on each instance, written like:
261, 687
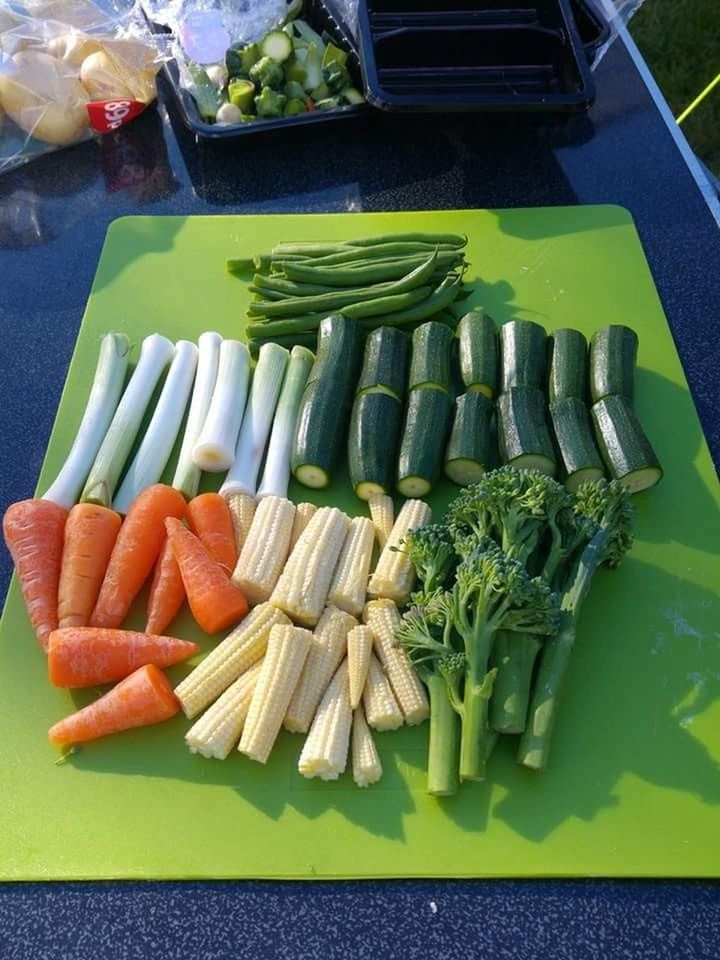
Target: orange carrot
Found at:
143, 698
210, 520
167, 592
87, 656
215, 601
136, 549
90, 535
33, 531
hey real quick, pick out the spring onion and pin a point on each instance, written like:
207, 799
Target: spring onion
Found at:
101, 405
187, 473
276, 473
154, 451
255, 428
155, 354
214, 449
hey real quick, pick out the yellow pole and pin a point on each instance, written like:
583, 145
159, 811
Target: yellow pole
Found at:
698, 99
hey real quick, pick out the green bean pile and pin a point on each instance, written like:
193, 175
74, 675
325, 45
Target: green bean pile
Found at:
391, 280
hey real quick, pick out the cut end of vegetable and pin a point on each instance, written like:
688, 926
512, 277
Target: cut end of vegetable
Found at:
413, 487
640, 480
576, 480
311, 476
463, 471
533, 461
368, 489
481, 388
211, 457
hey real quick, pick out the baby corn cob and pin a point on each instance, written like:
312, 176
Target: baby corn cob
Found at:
303, 514
286, 652
265, 551
382, 512
381, 707
349, 582
328, 647
367, 768
219, 728
233, 656
325, 751
242, 510
359, 649
303, 586
383, 619
394, 575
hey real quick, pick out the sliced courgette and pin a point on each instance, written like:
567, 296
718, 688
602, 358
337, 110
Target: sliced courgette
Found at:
478, 353
277, 45
613, 354
625, 448
431, 353
372, 443
468, 451
384, 367
567, 373
580, 458
522, 355
422, 447
337, 346
523, 436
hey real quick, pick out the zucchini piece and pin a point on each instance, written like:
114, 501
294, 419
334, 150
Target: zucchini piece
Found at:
372, 443
625, 448
337, 345
613, 354
567, 374
277, 45
576, 444
523, 436
522, 355
385, 363
478, 353
430, 364
422, 447
468, 451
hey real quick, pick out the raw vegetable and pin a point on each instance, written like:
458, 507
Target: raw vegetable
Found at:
324, 753
478, 353
294, 107
613, 355
424, 436
218, 729
270, 103
384, 367
89, 656
214, 449
522, 355
295, 91
90, 535
337, 344
381, 707
394, 574
209, 518
625, 448
143, 698
304, 512
277, 45
468, 452
136, 550
218, 74
523, 436
229, 113
568, 366
266, 73
382, 513
265, 550
187, 473
372, 443
240, 58
241, 93
313, 67
384, 620
367, 768
363, 272
242, 511
206, 95
159, 439
101, 405
430, 363
215, 602
155, 354
574, 435
167, 592
359, 651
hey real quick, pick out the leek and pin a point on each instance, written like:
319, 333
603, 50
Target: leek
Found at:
101, 405
214, 449
154, 451
276, 473
155, 354
264, 393
187, 474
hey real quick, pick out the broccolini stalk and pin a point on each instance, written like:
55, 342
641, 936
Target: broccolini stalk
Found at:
608, 505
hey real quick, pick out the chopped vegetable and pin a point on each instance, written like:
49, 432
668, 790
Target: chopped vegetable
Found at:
383, 619
277, 45
206, 95
336, 77
89, 537
187, 473
313, 67
295, 91
367, 768
167, 591
214, 449
263, 555
381, 707
324, 753
303, 514
267, 74
218, 729
626, 450
229, 113
348, 586
613, 356
294, 107
359, 651
209, 518
270, 103
242, 94
382, 513
240, 58
242, 510
394, 574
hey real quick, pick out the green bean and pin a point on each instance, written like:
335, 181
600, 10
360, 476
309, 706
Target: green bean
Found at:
309, 249
261, 294
288, 326
438, 300
370, 272
387, 305
240, 265
289, 340
451, 239
289, 289
382, 251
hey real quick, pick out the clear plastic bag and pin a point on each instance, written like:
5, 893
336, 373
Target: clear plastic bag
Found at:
70, 69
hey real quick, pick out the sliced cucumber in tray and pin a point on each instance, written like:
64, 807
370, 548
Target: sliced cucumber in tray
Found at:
422, 448
431, 355
613, 355
580, 458
469, 448
372, 443
568, 365
523, 436
478, 353
522, 355
623, 444
384, 367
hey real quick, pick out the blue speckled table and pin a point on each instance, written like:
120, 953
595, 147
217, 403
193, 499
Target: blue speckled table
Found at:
53, 217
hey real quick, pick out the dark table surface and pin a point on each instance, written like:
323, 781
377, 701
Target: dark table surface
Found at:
53, 218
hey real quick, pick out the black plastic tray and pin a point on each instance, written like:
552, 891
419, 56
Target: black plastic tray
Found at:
507, 55
593, 28
321, 19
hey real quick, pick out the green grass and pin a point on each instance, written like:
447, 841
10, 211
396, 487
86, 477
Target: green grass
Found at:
680, 40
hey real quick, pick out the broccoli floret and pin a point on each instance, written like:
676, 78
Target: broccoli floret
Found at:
336, 77
267, 73
240, 58
432, 553
269, 103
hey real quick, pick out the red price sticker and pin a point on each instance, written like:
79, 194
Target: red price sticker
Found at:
108, 115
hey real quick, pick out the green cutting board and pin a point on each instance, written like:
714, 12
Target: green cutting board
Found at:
633, 787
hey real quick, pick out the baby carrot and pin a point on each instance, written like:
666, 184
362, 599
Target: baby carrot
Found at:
210, 519
143, 698
87, 656
90, 535
33, 531
214, 599
136, 549
167, 592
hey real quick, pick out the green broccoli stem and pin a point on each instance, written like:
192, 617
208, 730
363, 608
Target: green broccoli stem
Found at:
477, 739
444, 740
514, 656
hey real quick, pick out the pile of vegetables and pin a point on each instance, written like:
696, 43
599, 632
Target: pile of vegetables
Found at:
292, 70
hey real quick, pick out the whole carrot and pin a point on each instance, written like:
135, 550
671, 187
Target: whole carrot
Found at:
167, 591
136, 549
88, 656
33, 531
210, 519
143, 698
214, 599
90, 535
